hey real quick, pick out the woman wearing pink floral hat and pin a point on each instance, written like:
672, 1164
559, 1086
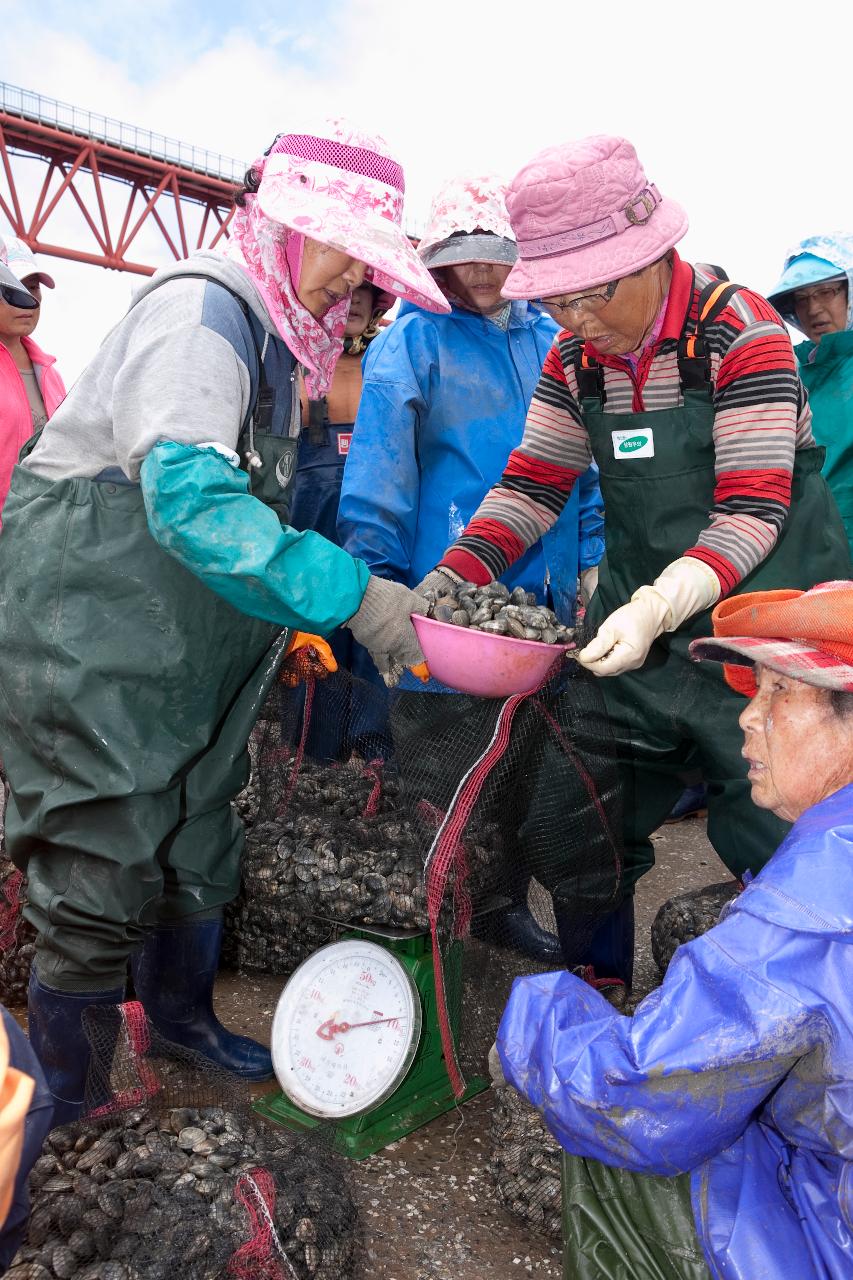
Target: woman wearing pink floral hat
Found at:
684, 390
151, 586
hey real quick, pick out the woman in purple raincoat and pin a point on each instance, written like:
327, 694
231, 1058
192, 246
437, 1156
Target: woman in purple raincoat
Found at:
712, 1132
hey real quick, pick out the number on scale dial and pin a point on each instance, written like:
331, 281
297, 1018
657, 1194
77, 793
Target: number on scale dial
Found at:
346, 1029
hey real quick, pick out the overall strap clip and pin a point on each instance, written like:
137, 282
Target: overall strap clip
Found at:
694, 359
589, 374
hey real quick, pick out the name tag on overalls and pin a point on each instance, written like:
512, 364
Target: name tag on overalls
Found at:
633, 444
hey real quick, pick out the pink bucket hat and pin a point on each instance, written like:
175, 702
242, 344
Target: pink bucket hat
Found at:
462, 208
583, 214
345, 189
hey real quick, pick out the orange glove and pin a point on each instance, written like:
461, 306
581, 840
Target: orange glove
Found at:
422, 672
307, 657
16, 1091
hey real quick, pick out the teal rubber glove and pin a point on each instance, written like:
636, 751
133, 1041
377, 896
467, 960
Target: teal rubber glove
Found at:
201, 512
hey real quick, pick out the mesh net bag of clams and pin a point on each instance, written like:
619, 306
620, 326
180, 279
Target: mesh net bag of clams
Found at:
169, 1172
525, 1162
491, 823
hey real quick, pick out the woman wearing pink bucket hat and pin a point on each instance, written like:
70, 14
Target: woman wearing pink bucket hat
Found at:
152, 585
684, 390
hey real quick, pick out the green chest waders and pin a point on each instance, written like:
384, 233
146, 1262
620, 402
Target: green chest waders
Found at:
672, 715
128, 691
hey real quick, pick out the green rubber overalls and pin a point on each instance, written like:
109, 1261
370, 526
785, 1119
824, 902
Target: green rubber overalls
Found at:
128, 690
674, 716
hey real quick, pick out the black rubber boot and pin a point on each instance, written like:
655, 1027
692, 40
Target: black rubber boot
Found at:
60, 1043
173, 976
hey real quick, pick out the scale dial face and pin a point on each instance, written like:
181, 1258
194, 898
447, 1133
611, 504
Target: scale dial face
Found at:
346, 1029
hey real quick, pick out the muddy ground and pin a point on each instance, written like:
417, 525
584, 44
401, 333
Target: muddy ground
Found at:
428, 1203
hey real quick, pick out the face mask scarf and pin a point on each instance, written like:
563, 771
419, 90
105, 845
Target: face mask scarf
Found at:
271, 256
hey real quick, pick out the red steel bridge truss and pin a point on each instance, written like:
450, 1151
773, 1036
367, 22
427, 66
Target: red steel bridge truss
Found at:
125, 183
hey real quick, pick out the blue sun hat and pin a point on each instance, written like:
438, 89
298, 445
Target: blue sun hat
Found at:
817, 258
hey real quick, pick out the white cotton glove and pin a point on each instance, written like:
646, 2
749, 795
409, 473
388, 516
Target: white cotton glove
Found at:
686, 587
496, 1071
384, 626
589, 581
442, 581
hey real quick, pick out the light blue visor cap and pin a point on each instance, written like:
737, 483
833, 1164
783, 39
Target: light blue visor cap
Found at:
804, 270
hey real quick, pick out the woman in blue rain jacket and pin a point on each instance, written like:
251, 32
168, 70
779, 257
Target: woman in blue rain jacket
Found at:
443, 399
738, 1070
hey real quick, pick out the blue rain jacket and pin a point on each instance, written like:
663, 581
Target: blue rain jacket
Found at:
443, 404
739, 1067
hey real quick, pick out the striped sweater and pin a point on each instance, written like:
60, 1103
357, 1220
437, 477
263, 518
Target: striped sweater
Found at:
761, 417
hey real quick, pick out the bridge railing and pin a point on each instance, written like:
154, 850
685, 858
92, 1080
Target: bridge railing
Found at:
89, 124
30, 105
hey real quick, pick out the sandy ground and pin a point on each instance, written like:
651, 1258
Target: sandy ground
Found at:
428, 1203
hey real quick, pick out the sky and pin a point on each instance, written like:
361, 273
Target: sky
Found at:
737, 110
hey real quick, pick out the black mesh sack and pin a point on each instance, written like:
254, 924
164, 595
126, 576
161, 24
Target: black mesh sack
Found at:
519, 806
17, 936
439, 812
171, 1172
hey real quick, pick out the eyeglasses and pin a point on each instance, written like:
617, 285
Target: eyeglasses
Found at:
822, 294
593, 302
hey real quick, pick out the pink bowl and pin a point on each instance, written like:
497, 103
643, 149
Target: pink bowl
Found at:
488, 665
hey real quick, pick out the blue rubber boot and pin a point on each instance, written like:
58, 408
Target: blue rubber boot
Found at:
60, 1043
516, 927
173, 976
610, 954
692, 803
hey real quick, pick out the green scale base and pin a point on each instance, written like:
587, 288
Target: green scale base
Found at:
424, 1093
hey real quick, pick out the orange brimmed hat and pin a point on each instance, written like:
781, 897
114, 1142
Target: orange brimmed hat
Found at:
807, 635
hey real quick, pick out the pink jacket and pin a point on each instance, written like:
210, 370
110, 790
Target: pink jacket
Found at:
16, 423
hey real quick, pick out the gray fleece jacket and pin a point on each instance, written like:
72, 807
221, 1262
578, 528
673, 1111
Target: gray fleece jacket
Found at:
180, 365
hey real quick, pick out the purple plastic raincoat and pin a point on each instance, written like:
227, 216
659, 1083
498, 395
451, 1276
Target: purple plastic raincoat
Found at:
739, 1067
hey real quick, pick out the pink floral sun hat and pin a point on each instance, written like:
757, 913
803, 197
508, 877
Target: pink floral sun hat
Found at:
468, 222
345, 189
584, 214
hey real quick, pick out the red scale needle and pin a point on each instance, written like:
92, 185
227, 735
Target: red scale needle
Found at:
328, 1029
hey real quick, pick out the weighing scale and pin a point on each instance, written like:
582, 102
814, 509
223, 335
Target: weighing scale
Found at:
356, 1041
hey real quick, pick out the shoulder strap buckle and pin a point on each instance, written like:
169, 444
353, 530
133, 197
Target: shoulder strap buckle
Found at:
694, 359
590, 376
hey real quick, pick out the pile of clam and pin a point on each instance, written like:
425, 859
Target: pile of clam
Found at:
17, 938
343, 851
265, 932
525, 1163
160, 1195
501, 612
688, 916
